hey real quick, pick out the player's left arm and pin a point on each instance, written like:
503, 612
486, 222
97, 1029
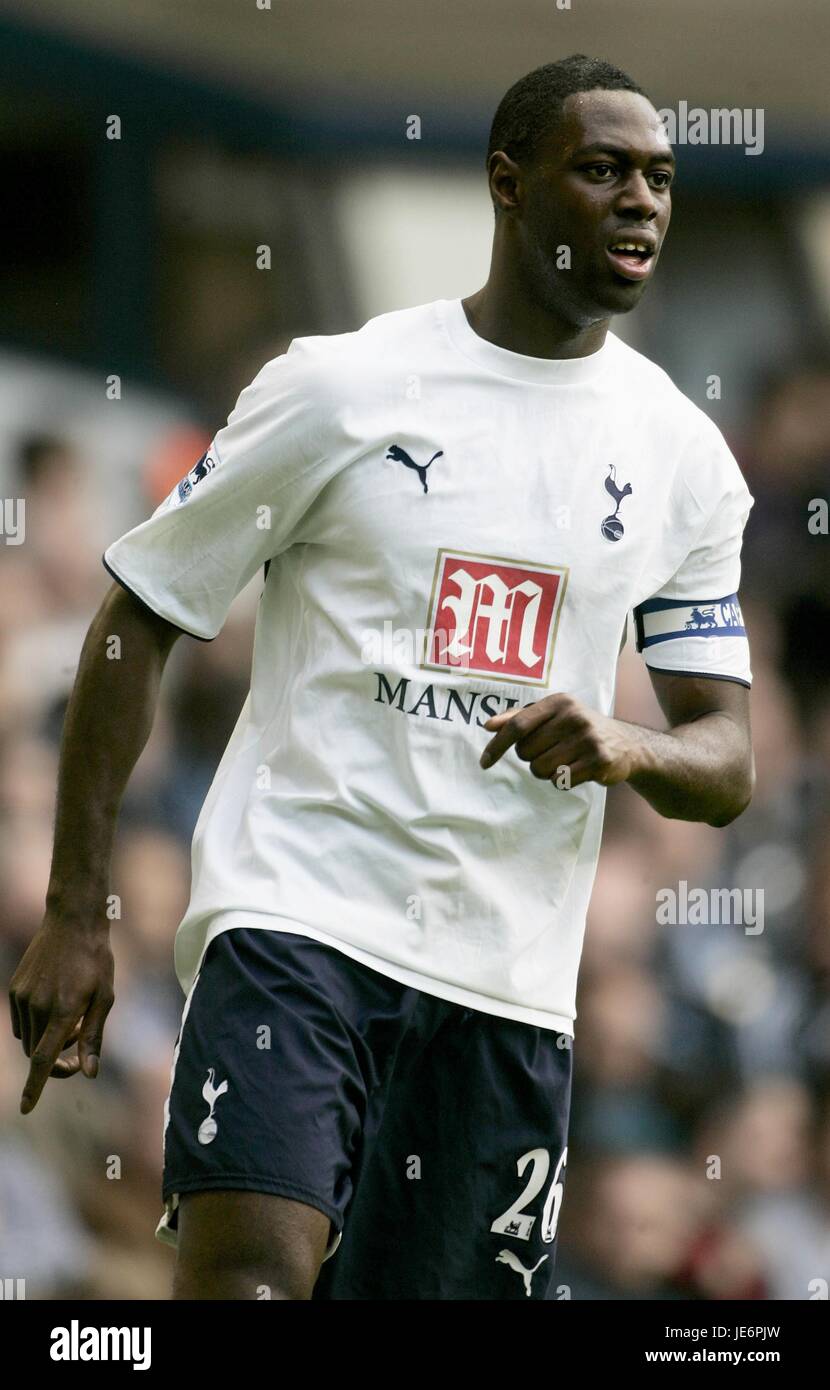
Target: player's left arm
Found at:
700, 768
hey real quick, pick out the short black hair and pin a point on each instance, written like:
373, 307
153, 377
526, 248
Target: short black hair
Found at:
533, 104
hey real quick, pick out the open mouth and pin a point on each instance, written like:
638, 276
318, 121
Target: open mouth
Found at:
631, 257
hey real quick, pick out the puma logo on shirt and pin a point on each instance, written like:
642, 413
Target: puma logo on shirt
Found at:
401, 456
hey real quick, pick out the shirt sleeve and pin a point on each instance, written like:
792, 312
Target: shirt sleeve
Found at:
238, 507
693, 625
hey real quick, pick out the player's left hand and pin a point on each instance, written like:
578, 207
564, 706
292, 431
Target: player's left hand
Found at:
560, 732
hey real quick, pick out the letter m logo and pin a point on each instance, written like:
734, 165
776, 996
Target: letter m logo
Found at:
494, 617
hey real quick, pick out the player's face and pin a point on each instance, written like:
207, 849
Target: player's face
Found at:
600, 186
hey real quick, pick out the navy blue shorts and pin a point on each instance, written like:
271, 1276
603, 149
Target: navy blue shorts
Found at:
433, 1136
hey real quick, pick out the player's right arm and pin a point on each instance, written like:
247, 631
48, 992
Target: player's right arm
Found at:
241, 506
62, 990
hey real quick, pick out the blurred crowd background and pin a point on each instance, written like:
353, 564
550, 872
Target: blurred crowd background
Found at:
699, 1164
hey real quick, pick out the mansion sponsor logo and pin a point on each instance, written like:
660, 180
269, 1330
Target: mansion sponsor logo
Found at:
497, 617
440, 702
472, 707
720, 125
77, 1343
487, 617
711, 907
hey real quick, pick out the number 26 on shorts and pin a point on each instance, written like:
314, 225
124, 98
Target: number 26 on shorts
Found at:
516, 1221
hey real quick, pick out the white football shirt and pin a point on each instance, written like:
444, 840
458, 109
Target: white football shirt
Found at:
449, 530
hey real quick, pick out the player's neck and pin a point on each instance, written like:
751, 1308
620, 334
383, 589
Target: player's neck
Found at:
501, 314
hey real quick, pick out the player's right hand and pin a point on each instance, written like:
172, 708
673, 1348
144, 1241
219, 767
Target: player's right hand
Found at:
60, 995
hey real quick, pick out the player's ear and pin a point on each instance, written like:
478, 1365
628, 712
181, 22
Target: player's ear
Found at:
504, 175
